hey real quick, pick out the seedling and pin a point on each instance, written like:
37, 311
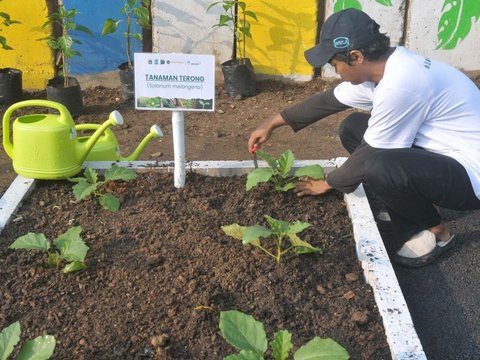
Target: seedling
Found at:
63, 44
247, 334
70, 248
91, 185
236, 18
279, 172
279, 231
40, 348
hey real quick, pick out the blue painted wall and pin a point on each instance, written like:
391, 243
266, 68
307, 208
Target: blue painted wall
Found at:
99, 53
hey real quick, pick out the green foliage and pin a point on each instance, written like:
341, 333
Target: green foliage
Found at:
6, 21
40, 348
69, 248
137, 11
279, 231
91, 185
63, 44
248, 335
279, 172
236, 18
456, 22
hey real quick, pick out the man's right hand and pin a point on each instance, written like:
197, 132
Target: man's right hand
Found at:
263, 132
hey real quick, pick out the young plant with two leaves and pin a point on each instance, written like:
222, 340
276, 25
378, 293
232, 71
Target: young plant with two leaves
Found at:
69, 248
90, 184
284, 235
40, 348
248, 335
280, 173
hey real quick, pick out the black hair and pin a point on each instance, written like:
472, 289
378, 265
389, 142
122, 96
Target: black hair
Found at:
373, 51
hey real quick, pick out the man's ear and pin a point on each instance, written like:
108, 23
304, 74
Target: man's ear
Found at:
355, 56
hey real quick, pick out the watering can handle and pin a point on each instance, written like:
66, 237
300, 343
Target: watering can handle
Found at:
7, 144
82, 127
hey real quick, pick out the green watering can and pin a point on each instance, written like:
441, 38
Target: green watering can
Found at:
107, 149
46, 146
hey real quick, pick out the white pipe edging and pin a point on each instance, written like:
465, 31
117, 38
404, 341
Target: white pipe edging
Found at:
12, 198
399, 330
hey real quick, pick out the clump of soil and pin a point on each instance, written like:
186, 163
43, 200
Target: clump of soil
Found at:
160, 270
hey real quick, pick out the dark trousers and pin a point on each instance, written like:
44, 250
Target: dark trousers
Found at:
410, 181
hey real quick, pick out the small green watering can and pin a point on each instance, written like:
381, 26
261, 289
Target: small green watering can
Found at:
46, 146
107, 149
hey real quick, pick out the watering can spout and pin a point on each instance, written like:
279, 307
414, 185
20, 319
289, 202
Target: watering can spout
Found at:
155, 132
115, 118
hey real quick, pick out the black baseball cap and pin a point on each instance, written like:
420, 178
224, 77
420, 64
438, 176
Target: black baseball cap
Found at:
343, 31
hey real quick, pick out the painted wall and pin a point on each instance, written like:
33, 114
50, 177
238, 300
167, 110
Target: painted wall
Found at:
447, 30
99, 53
31, 56
285, 29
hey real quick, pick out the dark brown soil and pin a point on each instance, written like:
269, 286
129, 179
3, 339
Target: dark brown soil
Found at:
160, 270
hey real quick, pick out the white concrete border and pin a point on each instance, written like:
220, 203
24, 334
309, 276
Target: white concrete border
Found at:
401, 335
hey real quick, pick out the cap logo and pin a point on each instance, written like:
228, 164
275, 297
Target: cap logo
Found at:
341, 43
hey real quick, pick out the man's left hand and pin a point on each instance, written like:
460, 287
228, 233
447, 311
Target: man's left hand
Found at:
307, 186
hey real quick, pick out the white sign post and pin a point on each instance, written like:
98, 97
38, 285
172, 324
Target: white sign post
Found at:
177, 83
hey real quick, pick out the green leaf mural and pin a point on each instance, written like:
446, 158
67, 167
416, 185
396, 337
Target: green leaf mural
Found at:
385, 2
456, 22
346, 4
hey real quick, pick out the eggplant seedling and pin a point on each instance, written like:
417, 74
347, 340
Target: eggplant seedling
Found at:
70, 248
91, 185
41, 347
279, 172
247, 334
279, 231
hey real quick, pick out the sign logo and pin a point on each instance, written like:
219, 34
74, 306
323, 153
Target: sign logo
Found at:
341, 43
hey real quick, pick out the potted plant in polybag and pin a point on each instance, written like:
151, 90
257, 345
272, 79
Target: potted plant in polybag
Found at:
238, 72
64, 88
135, 12
10, 78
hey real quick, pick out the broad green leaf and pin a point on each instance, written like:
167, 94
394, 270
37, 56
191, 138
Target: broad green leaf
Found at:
271, 161
71, 245
253, 234
244, 355
346, 4
74, 267
110, 26
40, 348
71, 234
279, 227
84, 29
243, 331
83, 189
31, 241
119, 173
109, 202
285, 163
313, 171
456, 22
281, 345
301, 246
9, 337
257, 176
321, 349
234, 230
298, 226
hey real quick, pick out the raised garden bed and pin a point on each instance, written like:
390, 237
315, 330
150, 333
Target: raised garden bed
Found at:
160, 269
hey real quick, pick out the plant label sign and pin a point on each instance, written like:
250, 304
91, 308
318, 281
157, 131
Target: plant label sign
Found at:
174, 82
